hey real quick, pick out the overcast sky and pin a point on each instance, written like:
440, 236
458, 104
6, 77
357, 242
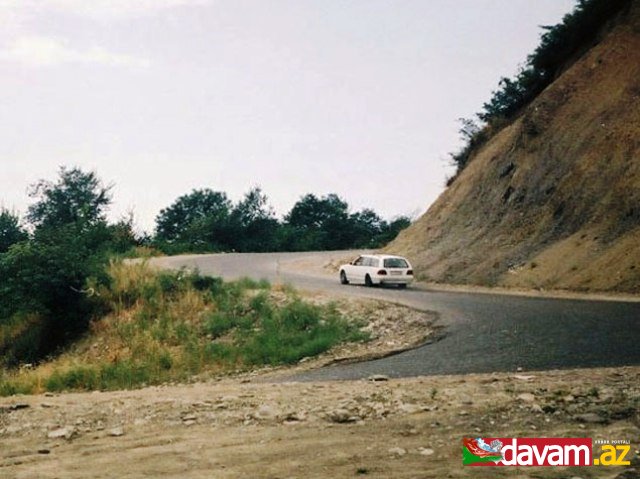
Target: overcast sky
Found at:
355, 97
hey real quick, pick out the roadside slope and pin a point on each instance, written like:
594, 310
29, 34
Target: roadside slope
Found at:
552, 200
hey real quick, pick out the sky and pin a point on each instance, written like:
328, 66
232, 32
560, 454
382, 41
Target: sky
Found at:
159, 97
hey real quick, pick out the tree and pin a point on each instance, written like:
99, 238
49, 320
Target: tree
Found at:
321, 223
77, 198
122, 235
43, 286
392, 229
10, 230
199, 220
365, 228
44, 280
256, 223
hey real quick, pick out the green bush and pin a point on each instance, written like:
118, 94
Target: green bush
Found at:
264, 333
179, 325
297, 330
81, 377
47, 277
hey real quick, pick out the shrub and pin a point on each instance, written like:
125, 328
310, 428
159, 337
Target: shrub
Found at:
47, 278
177, 324
297, 330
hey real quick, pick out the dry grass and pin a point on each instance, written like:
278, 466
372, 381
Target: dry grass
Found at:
558, 188
170, 326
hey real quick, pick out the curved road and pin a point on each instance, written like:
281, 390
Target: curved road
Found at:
483, 332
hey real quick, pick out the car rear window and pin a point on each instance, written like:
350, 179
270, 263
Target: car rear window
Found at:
395, 263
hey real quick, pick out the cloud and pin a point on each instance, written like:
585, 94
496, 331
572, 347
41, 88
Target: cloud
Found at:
98, 8
38, 51
21, 43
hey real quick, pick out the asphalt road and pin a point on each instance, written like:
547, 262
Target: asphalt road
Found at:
483, 332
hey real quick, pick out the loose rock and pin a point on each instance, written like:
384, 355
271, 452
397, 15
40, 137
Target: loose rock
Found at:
116, 432
526, 397
342, 416
426, 451
397, 451
62, 433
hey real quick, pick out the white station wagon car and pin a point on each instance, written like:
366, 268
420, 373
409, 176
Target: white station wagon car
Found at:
371, 269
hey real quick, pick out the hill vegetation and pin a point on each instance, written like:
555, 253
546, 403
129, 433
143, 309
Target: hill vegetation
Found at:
560, 45
207, 221
550, 198
59, 280
169, 326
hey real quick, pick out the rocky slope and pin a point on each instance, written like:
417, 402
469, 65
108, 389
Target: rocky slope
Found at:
553, 199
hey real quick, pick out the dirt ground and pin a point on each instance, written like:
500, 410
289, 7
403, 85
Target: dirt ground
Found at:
236, 428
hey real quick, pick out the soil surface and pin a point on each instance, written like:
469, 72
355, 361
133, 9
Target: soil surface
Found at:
408, 428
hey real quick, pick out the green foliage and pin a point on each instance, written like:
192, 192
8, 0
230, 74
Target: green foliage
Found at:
559, 46
326, 224
45, 300
390, 230
198, 221
55, 281
11, 232
77, 198
263, 333
46, 278
320, 223
177, 324
121, 239
205, 221
255, 223
109, 376
295, 331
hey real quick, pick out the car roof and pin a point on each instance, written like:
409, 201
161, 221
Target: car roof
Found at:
382, 256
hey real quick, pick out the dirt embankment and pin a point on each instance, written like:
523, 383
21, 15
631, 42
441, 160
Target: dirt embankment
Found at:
386, 428
553, 200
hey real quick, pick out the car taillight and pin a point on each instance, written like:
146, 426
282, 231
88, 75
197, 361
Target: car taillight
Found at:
382, 272
410, 271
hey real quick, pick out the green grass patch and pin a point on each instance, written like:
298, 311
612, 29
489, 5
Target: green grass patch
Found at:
169, 326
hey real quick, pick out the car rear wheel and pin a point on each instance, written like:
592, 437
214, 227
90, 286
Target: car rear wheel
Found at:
367, 281
343, 278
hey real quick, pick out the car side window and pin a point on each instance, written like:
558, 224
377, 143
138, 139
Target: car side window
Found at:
359, 261
375, 262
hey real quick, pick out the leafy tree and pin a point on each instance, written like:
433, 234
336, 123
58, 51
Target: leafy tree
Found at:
472, 134
122, 236
10, 230
77, 197
322, 223
256, 223
392, 229
365, 228
45, 284
198, 220
207, 221
44, 300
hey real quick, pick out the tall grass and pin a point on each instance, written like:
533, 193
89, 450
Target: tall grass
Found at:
169, 326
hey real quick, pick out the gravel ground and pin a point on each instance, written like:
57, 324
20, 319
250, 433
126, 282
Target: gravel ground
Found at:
404, 428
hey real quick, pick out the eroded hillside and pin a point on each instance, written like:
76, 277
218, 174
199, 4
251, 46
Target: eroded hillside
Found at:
553, 199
